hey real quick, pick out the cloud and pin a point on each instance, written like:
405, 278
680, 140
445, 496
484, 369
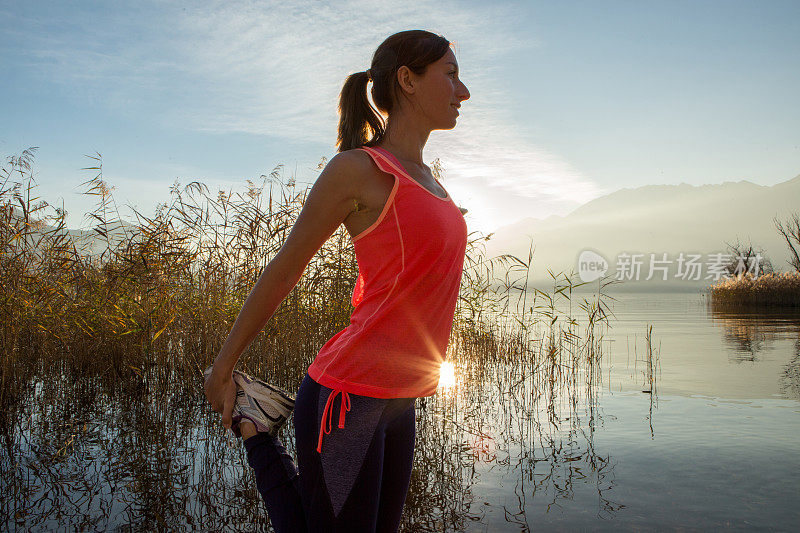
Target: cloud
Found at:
503, 177
255, 67
276, 69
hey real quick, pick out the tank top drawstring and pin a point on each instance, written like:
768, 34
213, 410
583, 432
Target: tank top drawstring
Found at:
328, 413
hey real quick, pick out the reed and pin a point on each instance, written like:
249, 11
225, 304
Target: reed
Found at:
746, 290
161, 291
128, 314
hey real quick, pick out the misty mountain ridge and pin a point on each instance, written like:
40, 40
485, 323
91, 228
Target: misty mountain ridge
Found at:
657, 219
88, 241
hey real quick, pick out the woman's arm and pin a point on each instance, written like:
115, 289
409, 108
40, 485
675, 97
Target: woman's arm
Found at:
328, 203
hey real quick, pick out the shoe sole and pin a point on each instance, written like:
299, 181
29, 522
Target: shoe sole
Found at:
264, 393
257, 387
256, 398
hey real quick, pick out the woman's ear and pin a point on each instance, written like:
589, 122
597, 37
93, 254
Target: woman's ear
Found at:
405, 78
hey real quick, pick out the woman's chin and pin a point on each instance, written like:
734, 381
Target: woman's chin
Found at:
448, 124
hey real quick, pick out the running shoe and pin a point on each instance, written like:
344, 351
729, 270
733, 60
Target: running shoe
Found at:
266, 406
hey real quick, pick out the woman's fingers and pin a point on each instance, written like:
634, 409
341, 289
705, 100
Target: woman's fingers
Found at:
229, 400
211, 396
221, 394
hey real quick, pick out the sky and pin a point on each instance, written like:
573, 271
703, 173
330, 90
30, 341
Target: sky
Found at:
569, 100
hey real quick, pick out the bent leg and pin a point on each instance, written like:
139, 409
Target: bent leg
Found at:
350, 491
277, 476
345, 489
277, 481
398, 460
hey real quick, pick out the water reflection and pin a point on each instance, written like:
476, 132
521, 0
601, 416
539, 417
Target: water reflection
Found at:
790, 380
532, 435
85, 456
524, 415
752, 334
86, 452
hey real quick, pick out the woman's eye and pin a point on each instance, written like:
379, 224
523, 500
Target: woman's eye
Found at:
452, 73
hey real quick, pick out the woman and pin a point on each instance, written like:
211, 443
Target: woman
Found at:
409, 239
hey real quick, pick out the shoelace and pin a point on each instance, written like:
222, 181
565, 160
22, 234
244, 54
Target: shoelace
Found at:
327, 414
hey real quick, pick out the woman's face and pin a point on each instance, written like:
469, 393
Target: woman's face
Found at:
439, 92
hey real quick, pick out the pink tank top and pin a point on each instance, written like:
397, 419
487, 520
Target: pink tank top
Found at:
410, 262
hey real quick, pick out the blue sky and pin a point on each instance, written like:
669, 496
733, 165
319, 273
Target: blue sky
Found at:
570, 100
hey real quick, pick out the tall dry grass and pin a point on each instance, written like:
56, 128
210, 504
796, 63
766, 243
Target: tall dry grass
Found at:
155, 292
780, 289
161, 292
127, 315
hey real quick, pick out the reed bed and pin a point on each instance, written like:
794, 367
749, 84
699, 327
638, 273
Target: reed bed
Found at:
768, 290
161, 292
105, 334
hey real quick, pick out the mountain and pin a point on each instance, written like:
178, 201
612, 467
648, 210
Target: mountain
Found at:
657, 219
87, 241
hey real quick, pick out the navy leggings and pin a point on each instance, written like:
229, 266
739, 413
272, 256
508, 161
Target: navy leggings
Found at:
359, 481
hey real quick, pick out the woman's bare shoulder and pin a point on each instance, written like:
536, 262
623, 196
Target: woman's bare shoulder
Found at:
355, 159
353, 166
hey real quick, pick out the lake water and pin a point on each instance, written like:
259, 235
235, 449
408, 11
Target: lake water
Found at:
715, 447
710, 442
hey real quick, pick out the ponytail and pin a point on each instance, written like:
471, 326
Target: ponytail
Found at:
360, 124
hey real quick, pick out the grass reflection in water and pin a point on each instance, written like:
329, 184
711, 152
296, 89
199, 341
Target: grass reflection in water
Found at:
104, 421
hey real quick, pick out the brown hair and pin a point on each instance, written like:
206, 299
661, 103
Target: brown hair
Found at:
359, 123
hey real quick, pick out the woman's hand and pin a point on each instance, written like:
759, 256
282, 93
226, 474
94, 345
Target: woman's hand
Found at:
221, 394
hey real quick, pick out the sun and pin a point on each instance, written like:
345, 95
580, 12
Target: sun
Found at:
447, 375
479, 214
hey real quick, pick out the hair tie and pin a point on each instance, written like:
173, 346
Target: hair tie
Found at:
369, 74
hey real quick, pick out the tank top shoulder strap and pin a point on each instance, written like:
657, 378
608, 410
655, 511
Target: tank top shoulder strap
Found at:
384, 161
387, 162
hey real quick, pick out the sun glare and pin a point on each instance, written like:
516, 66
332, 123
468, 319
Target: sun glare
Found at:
447, 375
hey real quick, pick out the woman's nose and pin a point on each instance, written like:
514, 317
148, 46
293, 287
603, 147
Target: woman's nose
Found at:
464, 93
